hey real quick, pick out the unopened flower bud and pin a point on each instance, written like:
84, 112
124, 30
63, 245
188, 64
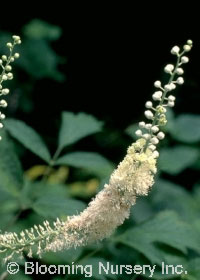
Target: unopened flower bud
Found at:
4, 77
154, 140
157, 84
168, 87
161, 135
9, 45
180, 81
142, 124
148, 114
175, 50
149, 104
16, 55
10, 76
171, 98
157, 95
148, 125
187, 48
155, 154
184, 59
147, 136
138, 132
4, 57
2, 116
189, 42
152, 147
3, 103
179, 71
154, 129
169, 68
5, 91
171, 103
8, 68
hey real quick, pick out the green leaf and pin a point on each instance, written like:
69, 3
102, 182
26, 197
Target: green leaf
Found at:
92, 161
167, 195
11, 173
28, 137
131, 129
175, 160
75, 127
64, 256
193, 269
186, 128
39, 60
39, 29
57, 206
166, 228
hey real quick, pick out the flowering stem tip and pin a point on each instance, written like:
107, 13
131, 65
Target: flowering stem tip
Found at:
6, 74
133, 177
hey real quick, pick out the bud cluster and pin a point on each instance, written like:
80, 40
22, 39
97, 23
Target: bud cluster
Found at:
156, 114
6, 74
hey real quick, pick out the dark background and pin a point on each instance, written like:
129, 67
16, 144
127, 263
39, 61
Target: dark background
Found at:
114, 53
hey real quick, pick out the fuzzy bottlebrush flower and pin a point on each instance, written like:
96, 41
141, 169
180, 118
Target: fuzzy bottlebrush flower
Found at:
133, 177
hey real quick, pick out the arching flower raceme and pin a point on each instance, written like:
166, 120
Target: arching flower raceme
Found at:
6, 74
133, 177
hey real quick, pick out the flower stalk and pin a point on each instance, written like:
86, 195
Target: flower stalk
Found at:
6, 74
133, 177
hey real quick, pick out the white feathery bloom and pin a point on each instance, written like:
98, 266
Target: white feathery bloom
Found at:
133, 177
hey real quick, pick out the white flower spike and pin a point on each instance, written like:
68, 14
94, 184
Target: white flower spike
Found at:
6, 72
133, 177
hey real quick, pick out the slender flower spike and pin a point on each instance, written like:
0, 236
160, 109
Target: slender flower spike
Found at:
6, 73
133, 177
